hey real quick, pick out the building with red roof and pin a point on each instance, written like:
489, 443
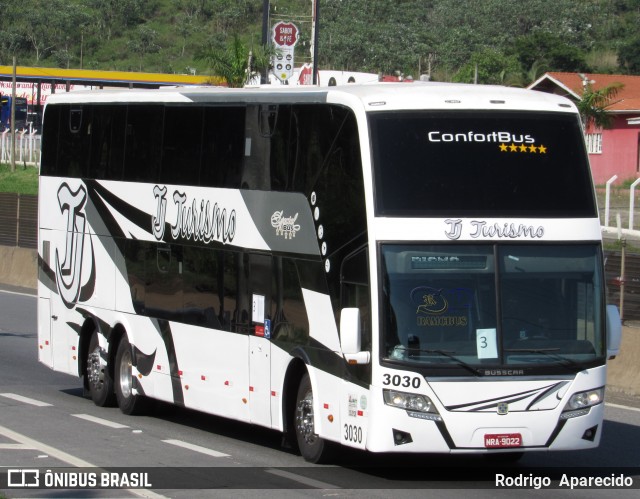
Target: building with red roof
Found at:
613, 151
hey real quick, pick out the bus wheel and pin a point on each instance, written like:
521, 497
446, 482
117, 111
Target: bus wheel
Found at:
128, 402
313, 448
97, 373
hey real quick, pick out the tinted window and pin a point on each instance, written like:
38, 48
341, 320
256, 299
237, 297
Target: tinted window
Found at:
50, 141
143, 143
181, 145
222, 147
107, 142
480, 164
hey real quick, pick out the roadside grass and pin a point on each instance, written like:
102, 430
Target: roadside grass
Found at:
23, 181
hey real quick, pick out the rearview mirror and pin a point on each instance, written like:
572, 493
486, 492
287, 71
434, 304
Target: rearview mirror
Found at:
614, 331
351, 337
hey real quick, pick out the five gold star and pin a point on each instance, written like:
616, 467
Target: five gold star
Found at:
523, 148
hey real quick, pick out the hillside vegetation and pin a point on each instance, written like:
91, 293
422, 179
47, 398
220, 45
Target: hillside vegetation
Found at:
501, 41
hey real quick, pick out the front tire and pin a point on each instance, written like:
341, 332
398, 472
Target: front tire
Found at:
98, 380
128, 401
312, 448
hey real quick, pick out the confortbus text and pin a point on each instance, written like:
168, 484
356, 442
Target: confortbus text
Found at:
471, 136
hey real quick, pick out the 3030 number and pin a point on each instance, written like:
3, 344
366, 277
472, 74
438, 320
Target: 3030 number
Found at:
353, 433
405, 381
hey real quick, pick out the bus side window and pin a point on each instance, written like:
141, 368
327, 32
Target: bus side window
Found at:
223, 147
289, 316
143, 143
181, 145
107, 142
201, 296
49, 164
73, 141
284, 140
255, 166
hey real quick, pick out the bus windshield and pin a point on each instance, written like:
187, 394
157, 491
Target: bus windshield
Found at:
492, 307
481, 164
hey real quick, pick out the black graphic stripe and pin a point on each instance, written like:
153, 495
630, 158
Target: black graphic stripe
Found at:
99, 196
143, 362
509, 400
496, 399
86, 291
545, 393
46, 275
164, 327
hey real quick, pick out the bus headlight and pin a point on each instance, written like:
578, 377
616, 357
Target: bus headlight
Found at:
580, 402
416, 405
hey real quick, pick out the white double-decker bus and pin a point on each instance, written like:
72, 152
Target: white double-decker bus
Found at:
393, 267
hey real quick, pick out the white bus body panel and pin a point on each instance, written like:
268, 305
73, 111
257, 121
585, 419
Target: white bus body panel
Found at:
534, 414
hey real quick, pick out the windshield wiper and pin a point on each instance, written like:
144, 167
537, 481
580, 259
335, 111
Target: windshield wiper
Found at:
548, 352
448, 354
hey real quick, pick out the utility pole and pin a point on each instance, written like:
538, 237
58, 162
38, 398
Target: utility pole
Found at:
13, 117
264, 72
316, 28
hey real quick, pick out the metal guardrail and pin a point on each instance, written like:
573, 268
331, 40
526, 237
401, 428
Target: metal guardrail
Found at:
18, 220
27, 149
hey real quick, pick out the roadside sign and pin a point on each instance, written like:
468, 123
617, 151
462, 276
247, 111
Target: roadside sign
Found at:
284, 36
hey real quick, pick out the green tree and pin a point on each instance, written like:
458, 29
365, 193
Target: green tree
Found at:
629, 55
113, 16
235, 62
492, 67
551, 51
144, 42
593, 104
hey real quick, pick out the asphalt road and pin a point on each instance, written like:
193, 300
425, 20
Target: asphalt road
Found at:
46, 424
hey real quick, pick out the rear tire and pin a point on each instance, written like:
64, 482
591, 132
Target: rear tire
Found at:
312, 448
98, 380
128, 401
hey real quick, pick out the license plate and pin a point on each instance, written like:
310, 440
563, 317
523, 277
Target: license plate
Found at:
502, 440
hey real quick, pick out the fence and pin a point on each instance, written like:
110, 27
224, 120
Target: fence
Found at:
18, 220
27, 147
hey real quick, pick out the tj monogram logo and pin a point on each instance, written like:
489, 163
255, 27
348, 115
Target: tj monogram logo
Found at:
68, 274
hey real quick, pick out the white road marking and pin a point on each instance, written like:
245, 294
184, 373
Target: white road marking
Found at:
25, 400
18, 293
103, 422
626, 407
196, 448
51, 451
15, 447
67, 458
302, 479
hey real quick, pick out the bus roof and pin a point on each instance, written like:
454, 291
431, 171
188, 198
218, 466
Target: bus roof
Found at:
372, 96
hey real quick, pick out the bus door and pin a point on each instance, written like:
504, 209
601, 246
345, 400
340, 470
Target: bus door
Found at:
259, 290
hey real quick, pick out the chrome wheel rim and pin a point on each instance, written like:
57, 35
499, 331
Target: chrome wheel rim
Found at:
304, 418
124, 378
95, 371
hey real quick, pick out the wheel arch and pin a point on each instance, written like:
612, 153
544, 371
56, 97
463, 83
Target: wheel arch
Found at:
295, 371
